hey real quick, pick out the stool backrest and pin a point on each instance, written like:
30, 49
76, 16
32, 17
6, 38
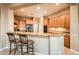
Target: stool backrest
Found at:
11, 37
23, 38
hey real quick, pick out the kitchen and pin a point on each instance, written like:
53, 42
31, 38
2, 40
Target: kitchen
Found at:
48, 25
57, 23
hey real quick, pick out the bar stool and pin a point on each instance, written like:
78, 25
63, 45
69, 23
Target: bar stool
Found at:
12, 40
26, 42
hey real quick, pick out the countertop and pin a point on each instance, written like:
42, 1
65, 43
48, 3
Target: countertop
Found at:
41, 34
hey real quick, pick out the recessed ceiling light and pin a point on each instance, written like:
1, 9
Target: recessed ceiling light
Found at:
22, 9
39, 16
38, 7
45, 12
57, 3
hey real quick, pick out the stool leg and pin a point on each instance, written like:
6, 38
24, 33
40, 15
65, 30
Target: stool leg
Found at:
27, 49
32, 49
21, 50
10, 49
15, 49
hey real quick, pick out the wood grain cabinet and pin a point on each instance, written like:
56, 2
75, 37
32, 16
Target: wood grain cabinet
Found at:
46, 22
57, 22
20, 23
67, 41
61, 21
67, 21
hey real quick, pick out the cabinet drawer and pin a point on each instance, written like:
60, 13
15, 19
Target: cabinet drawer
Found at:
67, 41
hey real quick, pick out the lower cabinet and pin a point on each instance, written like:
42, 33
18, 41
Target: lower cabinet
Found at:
67, 41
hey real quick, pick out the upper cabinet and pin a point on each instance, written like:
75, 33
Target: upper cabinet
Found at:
62, 21
29, 21
20, 22
67, 21
46, 22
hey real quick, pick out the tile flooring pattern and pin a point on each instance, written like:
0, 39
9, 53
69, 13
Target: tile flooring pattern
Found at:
67, 51
6, 52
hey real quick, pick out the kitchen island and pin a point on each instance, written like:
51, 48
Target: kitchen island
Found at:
46, 43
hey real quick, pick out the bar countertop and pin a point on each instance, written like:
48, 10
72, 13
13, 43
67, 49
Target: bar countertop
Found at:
40, 34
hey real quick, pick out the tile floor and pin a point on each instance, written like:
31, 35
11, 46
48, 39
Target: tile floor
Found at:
67, 51
6, 51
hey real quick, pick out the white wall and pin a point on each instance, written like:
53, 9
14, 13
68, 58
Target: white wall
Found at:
41, 24
6, 25
62, 12
74, 27
0, 32
3, 26
38, 24
35, 25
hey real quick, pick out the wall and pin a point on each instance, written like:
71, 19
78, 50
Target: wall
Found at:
41, 24
6, 25
0, 24
62, 12
38, 24
3, 27
74, 27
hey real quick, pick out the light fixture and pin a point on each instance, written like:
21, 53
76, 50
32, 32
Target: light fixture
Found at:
22, 9
57, 3
38, 7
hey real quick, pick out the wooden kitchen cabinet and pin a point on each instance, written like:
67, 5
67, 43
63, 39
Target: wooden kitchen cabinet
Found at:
46, 22
22, 24
52, 22
67, 41
62, 21
16, 24
67, 21
29, 21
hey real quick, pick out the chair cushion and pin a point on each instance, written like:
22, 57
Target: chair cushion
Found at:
30, 42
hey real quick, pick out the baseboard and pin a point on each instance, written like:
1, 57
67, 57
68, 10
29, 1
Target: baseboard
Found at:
75, 52
4, 48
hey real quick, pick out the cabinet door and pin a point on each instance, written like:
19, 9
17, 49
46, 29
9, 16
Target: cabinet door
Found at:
51, 22
45, 22
67, 41
29, 21
67, 21
62, 21
22, 24
58, 22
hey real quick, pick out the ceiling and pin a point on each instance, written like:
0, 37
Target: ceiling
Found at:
36, 10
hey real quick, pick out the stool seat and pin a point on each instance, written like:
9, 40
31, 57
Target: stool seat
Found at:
25, 43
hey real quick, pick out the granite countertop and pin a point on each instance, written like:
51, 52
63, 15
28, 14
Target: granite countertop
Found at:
40, 34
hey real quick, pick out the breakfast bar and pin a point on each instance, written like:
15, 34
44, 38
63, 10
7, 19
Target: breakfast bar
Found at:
46, 43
